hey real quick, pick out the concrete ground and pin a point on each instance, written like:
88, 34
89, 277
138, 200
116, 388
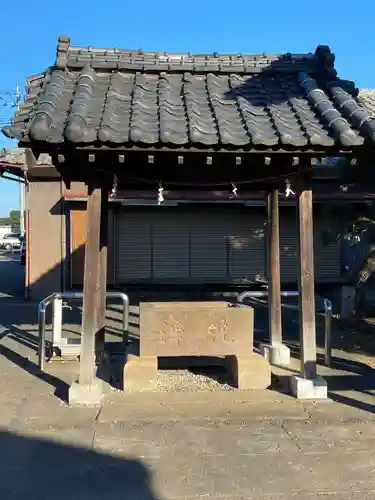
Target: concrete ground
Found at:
12, 275
230, 445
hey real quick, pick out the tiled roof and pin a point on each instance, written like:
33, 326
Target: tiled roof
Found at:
127, 98
366, 98
17, 157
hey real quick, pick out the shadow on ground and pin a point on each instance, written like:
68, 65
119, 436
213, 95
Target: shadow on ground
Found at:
56, 471
347, 375
359, 335
12, 282
19, 321
60, 386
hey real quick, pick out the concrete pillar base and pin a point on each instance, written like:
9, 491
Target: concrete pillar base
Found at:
68, 349
304, 388
140, 373
57, 306
276, 354
86, 395
250, 372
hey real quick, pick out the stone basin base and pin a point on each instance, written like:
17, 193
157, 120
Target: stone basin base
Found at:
175, 329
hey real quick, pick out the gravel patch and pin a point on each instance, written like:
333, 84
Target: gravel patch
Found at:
186, 380
183, 378
190, 381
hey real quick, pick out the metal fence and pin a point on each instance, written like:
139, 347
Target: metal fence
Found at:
69, 296
256, 294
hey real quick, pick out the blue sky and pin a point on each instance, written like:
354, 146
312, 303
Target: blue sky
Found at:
29, 32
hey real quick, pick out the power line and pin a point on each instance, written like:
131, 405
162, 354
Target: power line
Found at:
10, 98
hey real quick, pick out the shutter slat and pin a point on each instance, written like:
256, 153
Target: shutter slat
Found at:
327, 260
132, 247
209, 237
170, 244
247, 246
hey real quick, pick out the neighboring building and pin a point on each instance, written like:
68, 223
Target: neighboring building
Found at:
5, 230
183, 241
11, 169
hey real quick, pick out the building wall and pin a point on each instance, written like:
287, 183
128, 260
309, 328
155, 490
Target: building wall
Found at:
46, 232
76, 188
5, 230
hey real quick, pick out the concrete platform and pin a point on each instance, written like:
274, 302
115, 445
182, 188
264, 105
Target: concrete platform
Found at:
227, 444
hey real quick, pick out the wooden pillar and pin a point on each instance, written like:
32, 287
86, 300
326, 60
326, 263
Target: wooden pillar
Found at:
102, 303
90, 286
273, 253
306, 284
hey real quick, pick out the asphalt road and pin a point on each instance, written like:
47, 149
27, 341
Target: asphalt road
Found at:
12, 276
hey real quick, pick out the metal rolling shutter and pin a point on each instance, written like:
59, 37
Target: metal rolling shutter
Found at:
247, 248
189, 244
132, 246
209, 231
326, 256
170, 244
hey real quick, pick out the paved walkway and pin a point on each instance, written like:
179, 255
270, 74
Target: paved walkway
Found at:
233, 445
12, 276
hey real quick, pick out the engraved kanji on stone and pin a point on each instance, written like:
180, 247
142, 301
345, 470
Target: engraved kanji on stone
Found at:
226, 332
212, 332
220, 332
173, 332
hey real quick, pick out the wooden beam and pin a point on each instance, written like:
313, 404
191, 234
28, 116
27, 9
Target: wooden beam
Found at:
195, 150
306, 284
90, 286
43, 173
273, 253
102, 304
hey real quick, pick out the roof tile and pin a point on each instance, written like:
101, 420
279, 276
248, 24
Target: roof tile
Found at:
124, 97
366, 99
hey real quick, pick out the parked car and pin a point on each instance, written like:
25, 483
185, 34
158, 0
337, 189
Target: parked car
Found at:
23, 251
10, 241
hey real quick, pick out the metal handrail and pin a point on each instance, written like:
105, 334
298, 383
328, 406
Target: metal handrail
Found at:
42, 328
295, 293
264, 293
71, 295
327, 332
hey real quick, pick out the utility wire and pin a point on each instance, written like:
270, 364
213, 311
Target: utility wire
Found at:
10, 98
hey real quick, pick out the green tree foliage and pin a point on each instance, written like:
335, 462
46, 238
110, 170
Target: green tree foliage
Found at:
15, 215
355, 221
344, 217
13, 218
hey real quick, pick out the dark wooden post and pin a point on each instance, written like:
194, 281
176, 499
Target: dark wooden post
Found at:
102, 303
275, 351
306, 284
274, 298
90, 286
